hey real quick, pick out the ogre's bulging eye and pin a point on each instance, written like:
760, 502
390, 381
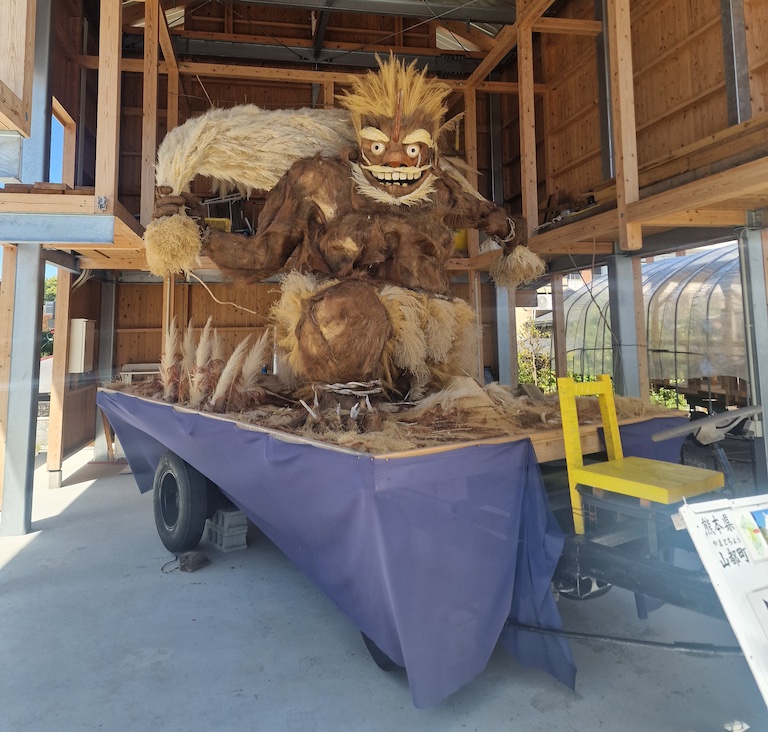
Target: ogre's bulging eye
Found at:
377, 148
412, 151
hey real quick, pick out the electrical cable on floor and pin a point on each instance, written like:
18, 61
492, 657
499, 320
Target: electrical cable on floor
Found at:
702, 649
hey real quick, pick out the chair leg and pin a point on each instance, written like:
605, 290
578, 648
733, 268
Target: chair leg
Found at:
577, 509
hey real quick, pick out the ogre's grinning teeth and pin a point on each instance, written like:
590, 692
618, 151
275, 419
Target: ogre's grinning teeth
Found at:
397, 178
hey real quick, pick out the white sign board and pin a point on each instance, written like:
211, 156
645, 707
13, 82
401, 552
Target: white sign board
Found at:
731, 537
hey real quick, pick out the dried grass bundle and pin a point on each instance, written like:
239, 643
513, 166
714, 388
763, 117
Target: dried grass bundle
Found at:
244, 147
517, 268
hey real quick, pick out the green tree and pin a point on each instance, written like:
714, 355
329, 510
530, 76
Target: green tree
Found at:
49, 292
533, 360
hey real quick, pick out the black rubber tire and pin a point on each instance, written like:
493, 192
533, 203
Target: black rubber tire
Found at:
381, 659
180, 497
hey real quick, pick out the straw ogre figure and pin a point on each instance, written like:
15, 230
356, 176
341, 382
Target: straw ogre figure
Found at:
367, 233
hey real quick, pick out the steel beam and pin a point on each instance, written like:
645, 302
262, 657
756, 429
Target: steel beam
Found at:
444, 64
604, 93
23, 391
63, 260
20, 228
736, 61
490, 11
36, 151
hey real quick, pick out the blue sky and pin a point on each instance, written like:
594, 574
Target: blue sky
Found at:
54, 173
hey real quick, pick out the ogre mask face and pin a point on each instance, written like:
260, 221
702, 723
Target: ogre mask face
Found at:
397, 115
396, 154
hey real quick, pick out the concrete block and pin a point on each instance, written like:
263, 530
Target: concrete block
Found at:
227, 530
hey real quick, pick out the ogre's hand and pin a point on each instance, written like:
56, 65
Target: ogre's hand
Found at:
167, 204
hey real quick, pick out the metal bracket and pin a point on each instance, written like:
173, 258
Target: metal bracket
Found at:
757, 218
101, 202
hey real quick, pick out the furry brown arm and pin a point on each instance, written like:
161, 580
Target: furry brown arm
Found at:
469, 209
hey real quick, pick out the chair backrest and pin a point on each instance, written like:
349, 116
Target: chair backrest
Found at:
568, 390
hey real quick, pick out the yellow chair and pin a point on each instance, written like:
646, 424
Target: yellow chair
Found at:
643, 478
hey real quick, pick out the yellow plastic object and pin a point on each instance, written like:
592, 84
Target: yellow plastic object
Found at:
643, 478
219, 224
460, 238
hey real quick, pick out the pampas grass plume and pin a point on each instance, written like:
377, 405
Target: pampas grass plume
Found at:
172, 244
517, 268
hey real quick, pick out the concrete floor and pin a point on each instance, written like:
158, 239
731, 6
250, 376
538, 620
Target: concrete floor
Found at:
96, 636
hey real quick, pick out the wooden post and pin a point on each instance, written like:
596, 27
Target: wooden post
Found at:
169, 305
108, 110
70, 142
329, 90
149, 103
623, 114
476, 301
7, 297
59, 380
166, 45
470, 149
526, 99
558, 325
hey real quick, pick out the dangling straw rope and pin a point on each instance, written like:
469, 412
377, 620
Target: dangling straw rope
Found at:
221, 302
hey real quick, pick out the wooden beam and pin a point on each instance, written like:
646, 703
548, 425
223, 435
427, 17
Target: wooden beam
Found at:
526, 100
36, 203
470, 148
149, 103
702, 217
172, 103
166, 45
17, 18
290, 76
59, 372
108, 111
531, 10
568, 26
623, 114
506, 40
69, 152
593, 232
742, 180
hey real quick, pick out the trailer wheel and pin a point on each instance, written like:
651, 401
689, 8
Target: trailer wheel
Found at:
381, 659
180, 503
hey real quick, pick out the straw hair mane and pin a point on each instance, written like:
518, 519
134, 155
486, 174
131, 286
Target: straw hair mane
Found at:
376, 93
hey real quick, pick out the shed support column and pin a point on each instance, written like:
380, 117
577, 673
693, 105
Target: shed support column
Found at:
23, 391
621, 296
101, 451
558, 324
506, 321
506, 326
59, 379
36, 150
753, 249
